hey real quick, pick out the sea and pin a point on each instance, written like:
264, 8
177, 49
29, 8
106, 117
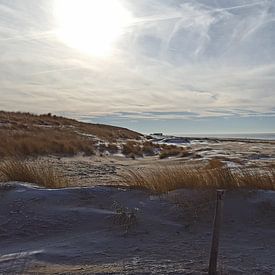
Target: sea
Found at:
260, 136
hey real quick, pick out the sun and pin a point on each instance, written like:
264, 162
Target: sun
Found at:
91, 26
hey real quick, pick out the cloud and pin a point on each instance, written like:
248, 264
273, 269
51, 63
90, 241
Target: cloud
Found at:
178, 60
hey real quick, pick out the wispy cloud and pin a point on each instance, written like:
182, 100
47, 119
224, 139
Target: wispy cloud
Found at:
177, 60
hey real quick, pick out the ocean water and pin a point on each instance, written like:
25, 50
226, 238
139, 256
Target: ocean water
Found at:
261, 136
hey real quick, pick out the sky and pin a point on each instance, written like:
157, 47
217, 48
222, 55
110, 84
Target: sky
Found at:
172, 66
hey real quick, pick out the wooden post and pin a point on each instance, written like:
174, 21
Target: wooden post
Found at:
216, 233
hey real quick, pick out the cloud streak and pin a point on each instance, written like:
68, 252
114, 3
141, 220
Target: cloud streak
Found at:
177, 60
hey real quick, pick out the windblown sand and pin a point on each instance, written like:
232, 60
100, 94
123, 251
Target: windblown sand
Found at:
107, 230
80, 231
107, 169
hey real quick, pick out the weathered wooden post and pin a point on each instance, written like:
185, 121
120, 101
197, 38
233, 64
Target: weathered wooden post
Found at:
216, 233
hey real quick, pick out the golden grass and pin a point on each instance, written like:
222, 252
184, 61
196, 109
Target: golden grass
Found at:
215, 163
172, 150
163, 179
137, 149
39, 173
43, 142
132, 149
25, 134
27, 121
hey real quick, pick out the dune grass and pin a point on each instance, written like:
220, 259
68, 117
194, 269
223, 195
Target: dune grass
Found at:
140, 149
132, 149
112, 148
28, 121
215, 163
163, 179
149, 148
173, 150
25, 134
43, 142
36, 172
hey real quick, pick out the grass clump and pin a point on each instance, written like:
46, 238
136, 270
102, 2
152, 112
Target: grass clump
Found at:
25, 135
132, 149
167, 178
112, 148
149, 148
172, 150
37, 172
215, 163
30, 122
43, 142
125, 217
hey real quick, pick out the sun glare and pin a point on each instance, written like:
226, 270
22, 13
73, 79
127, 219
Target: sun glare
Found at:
91, 26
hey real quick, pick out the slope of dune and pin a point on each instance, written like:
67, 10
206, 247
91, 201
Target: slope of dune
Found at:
25, 134
105, 230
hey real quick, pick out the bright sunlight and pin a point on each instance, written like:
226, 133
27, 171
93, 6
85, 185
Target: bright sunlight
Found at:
91, 26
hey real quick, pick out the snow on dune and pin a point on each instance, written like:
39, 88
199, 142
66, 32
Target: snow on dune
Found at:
83, 226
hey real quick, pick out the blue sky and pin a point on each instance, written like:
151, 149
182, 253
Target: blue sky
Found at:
175, 66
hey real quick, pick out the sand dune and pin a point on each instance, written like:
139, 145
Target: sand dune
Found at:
104, 230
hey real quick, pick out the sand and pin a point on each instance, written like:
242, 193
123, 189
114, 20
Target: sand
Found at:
106, 169
92, 228
104, 230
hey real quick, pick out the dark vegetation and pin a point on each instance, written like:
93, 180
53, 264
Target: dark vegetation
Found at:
112, 148
148, 148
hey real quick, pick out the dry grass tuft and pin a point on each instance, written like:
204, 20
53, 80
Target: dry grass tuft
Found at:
164, 179
139, 149
149, 148
215, 163
27, 121
173, 150
132, 149
125, 217
43, 142
32, 172
25, 134
112, 148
